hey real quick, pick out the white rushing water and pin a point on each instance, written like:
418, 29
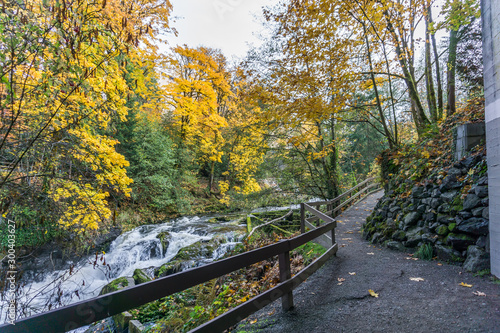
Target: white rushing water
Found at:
138, 248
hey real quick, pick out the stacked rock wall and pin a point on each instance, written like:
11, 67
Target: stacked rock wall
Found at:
447, 212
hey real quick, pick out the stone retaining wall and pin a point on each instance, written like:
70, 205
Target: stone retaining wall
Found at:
449, 213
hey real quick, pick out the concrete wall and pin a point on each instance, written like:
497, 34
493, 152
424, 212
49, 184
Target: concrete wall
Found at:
490, 12
467, 137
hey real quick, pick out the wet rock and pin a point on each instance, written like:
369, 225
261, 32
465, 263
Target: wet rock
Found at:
135, 326
444, 209
413, 241
460, 242
169, 268
377, 237
471, 161
442, 230
121, 321
103, 326
195, 251
455, 172
117, 284
102, 242
484, 242
164, 238
475, 226
481, 191
471, 202
410, 220
399, 235
478, 212
449, 196
436, 202
449, 183
447, 253
436, 193
391, 223
417, 192
397, 246
140, 276
429, 238
464, 215
483, 181
486, 213
477, 259
421, 209
485, 202
429, 217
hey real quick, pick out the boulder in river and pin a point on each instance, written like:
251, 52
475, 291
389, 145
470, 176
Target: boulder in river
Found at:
117, 284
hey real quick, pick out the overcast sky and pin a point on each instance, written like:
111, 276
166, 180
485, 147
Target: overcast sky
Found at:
225, 24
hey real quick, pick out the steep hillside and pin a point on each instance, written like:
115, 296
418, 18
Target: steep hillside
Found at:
433, 204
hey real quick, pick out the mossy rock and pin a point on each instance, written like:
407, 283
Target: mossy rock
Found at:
460, 242
117, 284
442, 230
168, 268
195, 251
140, 277
121, 321
452, 226
164, 238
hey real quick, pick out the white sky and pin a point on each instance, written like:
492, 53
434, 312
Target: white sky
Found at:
224, 24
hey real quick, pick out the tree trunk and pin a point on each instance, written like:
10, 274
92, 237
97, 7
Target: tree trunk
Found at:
388, 134
420, 119
452, 61
429, 79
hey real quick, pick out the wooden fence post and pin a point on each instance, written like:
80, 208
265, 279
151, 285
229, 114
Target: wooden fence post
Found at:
285, 274
302, 219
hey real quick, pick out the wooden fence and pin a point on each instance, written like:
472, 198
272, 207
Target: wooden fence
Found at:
86, 312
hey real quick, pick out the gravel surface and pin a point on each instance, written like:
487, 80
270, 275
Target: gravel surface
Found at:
337, 299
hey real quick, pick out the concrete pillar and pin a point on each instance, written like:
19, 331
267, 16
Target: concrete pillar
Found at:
490, 13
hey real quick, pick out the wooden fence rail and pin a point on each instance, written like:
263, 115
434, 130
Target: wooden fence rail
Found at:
86, 312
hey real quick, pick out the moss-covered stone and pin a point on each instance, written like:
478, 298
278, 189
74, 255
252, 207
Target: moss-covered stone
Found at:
399, 235
140, 277
195, 251
164, 238
442, 230
168, 268
452, 226
117, 284
460, 242
121, 321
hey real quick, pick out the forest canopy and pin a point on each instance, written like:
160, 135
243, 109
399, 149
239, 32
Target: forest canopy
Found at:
100, 117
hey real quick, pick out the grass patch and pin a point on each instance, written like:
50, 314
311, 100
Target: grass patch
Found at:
425, 252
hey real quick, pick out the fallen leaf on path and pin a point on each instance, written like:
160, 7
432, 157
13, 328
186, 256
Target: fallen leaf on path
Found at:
408, 258
479, 293
440, 264
371, 253
349, 232
372, 293
339, 221
353, 273
253, 321
346, 238
417, 279
341, 279
466, 285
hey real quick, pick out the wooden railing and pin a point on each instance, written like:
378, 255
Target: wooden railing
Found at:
86, 312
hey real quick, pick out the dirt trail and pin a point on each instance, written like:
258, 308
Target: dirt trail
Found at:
438, 303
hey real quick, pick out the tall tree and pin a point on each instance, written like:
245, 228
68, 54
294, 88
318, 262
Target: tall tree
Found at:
62, 76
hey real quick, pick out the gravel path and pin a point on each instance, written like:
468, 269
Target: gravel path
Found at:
336, 298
